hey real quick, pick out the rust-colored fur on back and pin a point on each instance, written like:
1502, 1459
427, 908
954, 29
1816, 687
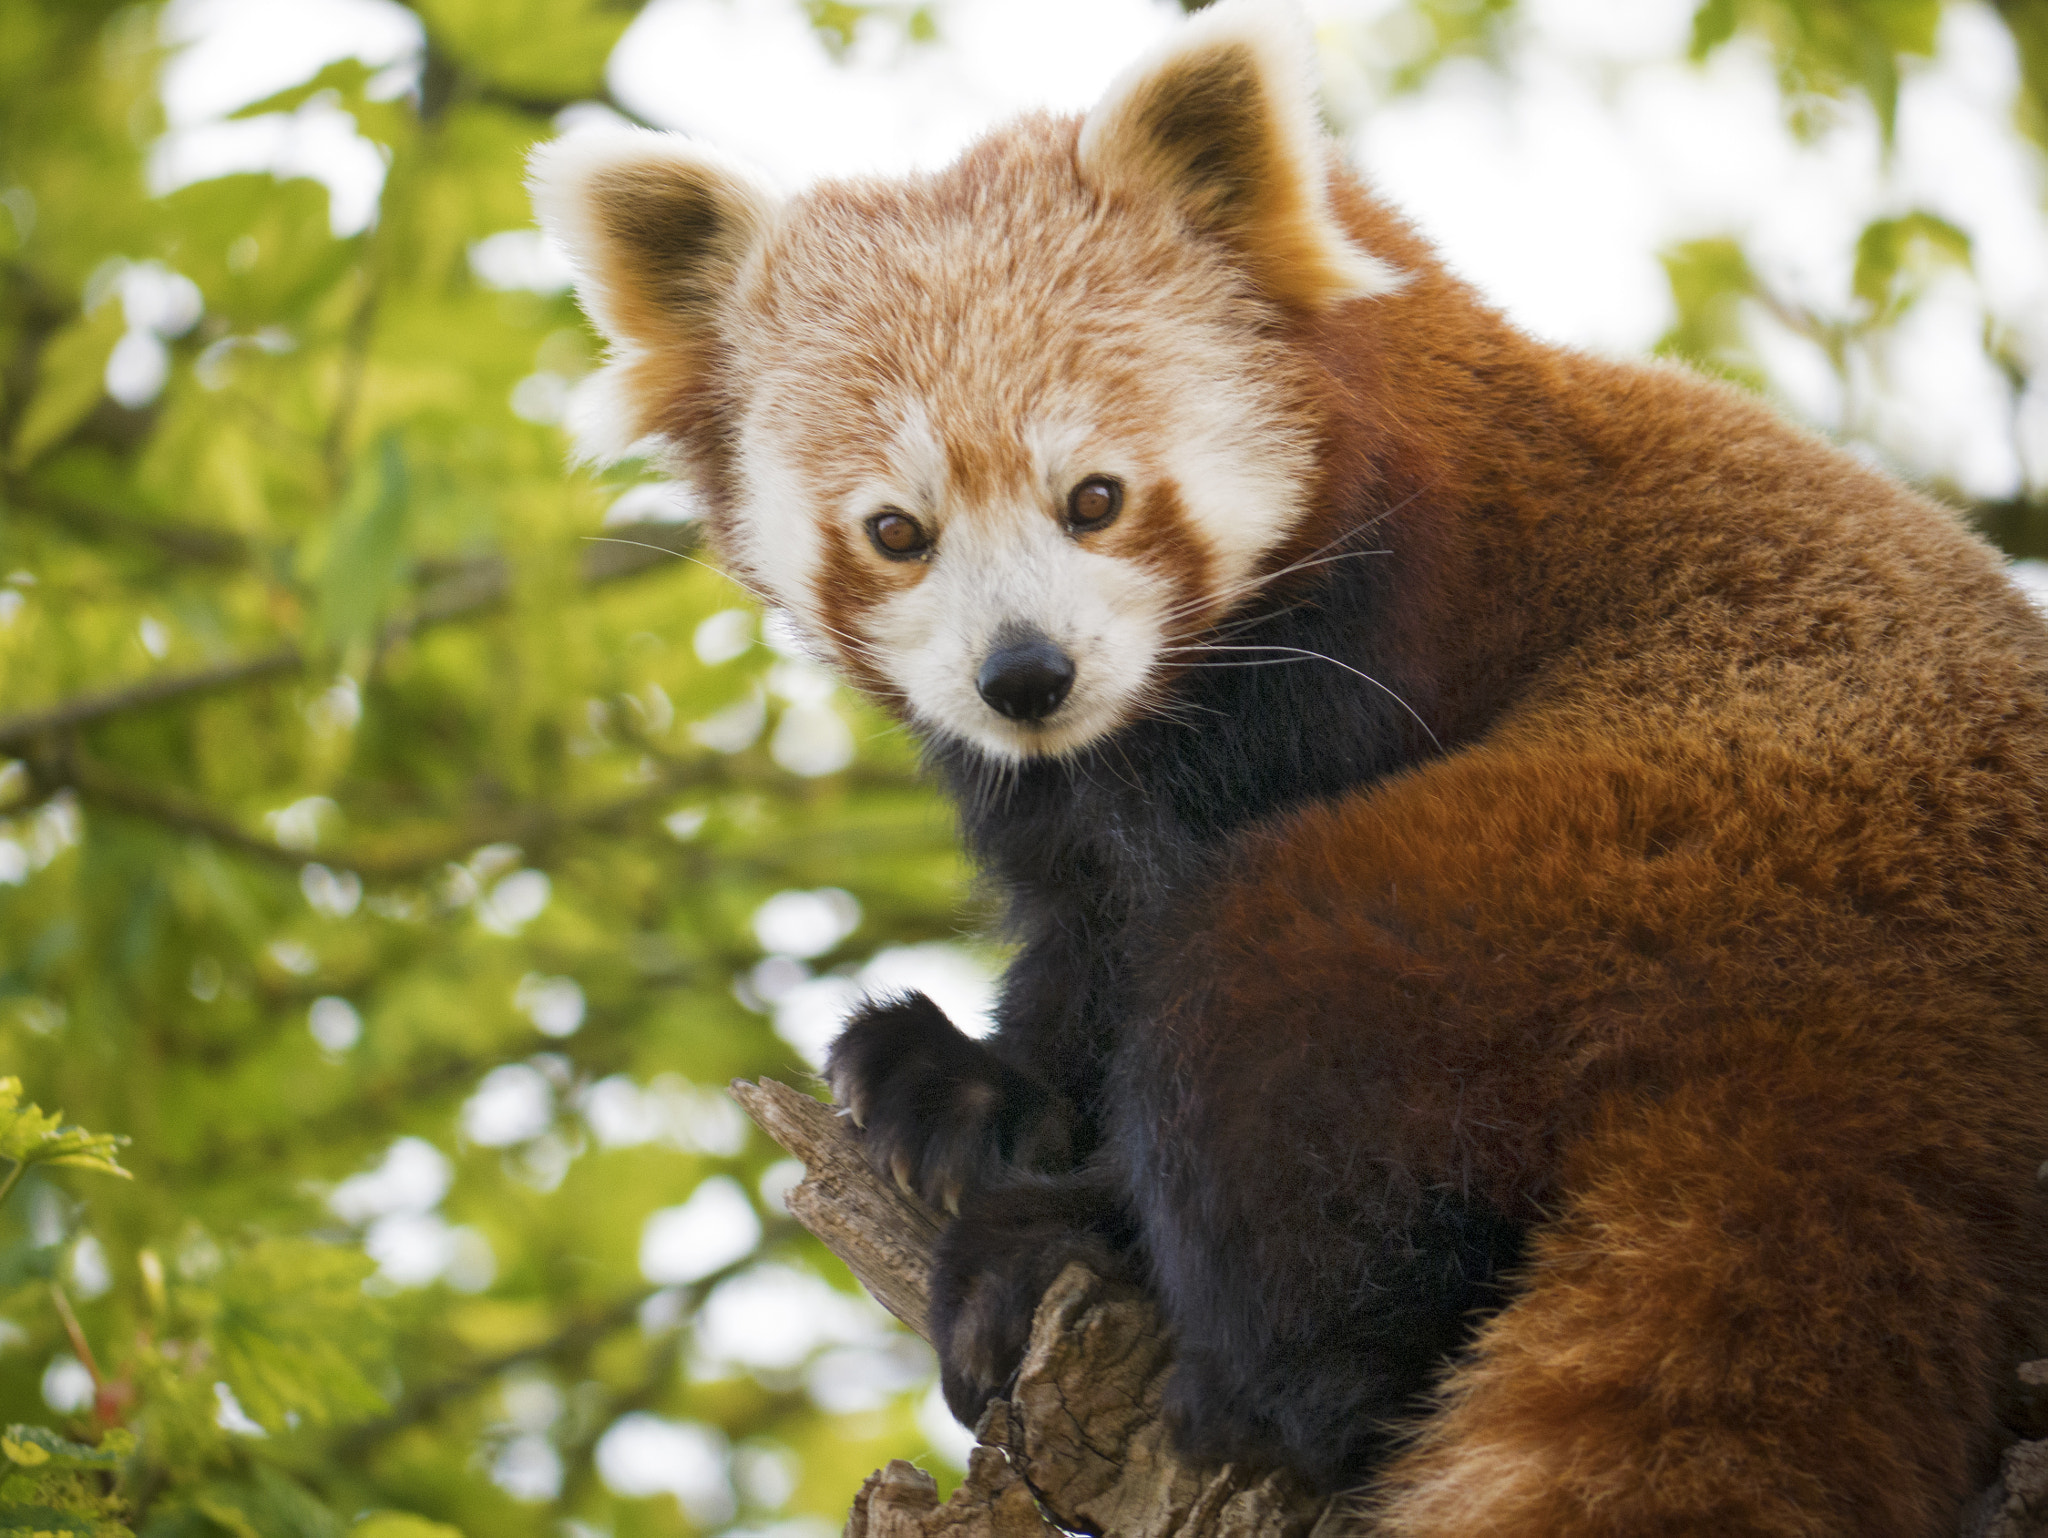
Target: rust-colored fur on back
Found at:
1724, 948
1531, 873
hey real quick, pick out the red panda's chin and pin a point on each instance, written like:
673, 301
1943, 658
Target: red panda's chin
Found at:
1072, 728
1008, 742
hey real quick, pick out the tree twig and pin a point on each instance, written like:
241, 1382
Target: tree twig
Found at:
470, 590
75, 1332
574, 1341
527, 826
191, 543
1079, 1445
884, 1235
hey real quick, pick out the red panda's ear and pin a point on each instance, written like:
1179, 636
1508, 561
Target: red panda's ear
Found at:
658, 229
1221, 122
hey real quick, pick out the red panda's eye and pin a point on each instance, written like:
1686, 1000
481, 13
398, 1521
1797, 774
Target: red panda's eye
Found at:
1095, 502
898, 535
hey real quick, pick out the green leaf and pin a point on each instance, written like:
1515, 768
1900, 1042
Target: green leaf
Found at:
268, 1504
1454, 29
220, 1507
346, 77
46, 1522
399, 1524
551, 49
366, 562
1709, 281
1894, 257
167, 1521
39, 1447
70, 381
2029, 26
49, 1485
294, 1334
1712, 25
1825, 48
259, 248
29, 1135
836, 23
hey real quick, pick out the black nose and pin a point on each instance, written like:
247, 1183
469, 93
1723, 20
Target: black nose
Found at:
1025, 678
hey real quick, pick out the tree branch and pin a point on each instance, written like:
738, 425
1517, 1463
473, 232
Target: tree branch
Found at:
469, 590
884, 1235
190, 543
528, 827
19, 731
573, 1343
1079, 1446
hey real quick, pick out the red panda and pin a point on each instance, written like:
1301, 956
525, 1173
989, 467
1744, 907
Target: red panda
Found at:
1530, 874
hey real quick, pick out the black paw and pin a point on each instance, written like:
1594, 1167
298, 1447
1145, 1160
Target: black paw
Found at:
937, 1109
995, 1261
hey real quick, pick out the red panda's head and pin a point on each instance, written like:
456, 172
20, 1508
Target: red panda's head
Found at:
1000, 436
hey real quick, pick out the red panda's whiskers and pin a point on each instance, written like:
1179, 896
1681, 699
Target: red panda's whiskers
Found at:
1316, 557
1130, 775
1319, 556
1302, 654
681, 555
1245, 589
1235, 627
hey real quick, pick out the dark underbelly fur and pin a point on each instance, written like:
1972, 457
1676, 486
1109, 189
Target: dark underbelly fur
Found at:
1091, 855
1091, 851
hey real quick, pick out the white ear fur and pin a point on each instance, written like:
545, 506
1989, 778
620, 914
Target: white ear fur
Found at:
1220, 121
658, 229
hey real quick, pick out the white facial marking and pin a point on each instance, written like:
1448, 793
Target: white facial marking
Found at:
917, 464
1011, 567
1055, 445
995, 576
1242, 497
776, 527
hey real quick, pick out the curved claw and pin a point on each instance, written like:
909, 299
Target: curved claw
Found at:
938, 1111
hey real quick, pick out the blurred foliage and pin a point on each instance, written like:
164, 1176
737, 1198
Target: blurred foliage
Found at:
321, 708
1714, 286
2028, 22
1825, 49
351, 793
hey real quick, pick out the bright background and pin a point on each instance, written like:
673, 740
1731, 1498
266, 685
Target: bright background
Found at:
403, 868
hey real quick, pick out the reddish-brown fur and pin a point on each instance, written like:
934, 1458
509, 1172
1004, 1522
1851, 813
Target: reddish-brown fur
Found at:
1722, 952
1711, 943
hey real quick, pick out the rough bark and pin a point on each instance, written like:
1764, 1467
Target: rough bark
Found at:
884, 1235
1079, 1446
2016, 1504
